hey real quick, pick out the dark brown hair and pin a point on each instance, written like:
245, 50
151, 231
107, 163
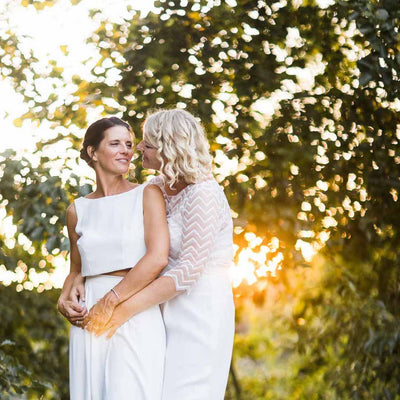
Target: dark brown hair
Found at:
95, 134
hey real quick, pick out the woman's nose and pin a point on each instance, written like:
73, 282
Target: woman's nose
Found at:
140, 146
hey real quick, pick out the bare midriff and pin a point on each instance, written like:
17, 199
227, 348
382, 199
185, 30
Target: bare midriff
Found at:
120, 272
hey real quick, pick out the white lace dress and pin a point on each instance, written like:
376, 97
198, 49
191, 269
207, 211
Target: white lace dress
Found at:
200, 322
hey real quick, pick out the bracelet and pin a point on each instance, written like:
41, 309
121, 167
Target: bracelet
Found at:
116, 294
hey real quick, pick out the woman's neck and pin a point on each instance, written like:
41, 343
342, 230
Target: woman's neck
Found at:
176, 188
108, 186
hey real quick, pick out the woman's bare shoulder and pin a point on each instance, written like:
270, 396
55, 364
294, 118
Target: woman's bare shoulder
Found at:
71, 214
152, 190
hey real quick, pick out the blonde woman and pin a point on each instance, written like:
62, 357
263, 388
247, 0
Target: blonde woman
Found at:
194, 289
119, 242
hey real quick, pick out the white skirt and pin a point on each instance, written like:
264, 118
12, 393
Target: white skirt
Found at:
130, 365
200, 330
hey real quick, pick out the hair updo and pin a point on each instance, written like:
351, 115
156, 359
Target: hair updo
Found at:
182, 146
95, 134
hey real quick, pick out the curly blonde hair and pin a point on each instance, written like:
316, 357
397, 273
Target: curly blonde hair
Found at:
182, 146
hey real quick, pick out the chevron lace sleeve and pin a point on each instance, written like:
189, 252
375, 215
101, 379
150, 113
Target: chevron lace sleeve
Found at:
200, 225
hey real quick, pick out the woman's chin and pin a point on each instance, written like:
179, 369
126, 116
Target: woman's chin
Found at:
149, 165
123, 171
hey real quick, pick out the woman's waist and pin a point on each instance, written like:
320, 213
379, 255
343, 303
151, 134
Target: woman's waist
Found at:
97, 286
119, 272
93, 268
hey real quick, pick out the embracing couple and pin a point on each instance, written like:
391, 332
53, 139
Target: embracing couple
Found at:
148, 294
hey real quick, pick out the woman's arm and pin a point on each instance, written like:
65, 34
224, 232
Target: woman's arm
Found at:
200, 225
156, 236
68, 306
158, 292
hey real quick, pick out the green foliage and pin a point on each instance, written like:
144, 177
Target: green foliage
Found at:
36, 198
34, 346
349, 321
378, 22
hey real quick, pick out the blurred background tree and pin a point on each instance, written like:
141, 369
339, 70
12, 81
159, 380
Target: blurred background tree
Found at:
300, 102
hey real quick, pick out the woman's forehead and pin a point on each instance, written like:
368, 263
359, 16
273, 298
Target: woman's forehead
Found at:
118, 132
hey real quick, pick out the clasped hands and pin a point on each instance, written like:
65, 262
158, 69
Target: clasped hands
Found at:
104, 317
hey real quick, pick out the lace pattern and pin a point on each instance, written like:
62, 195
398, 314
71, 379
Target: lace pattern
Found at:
200, 227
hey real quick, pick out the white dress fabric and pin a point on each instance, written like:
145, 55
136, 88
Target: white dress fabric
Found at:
200, 322
111, 231
130, 365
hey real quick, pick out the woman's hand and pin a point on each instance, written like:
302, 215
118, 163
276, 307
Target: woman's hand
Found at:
77, 293
72, 307
120, 315
72, 311
100, 314
159, 291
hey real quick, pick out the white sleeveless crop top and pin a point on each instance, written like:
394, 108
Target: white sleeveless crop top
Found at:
111, 231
